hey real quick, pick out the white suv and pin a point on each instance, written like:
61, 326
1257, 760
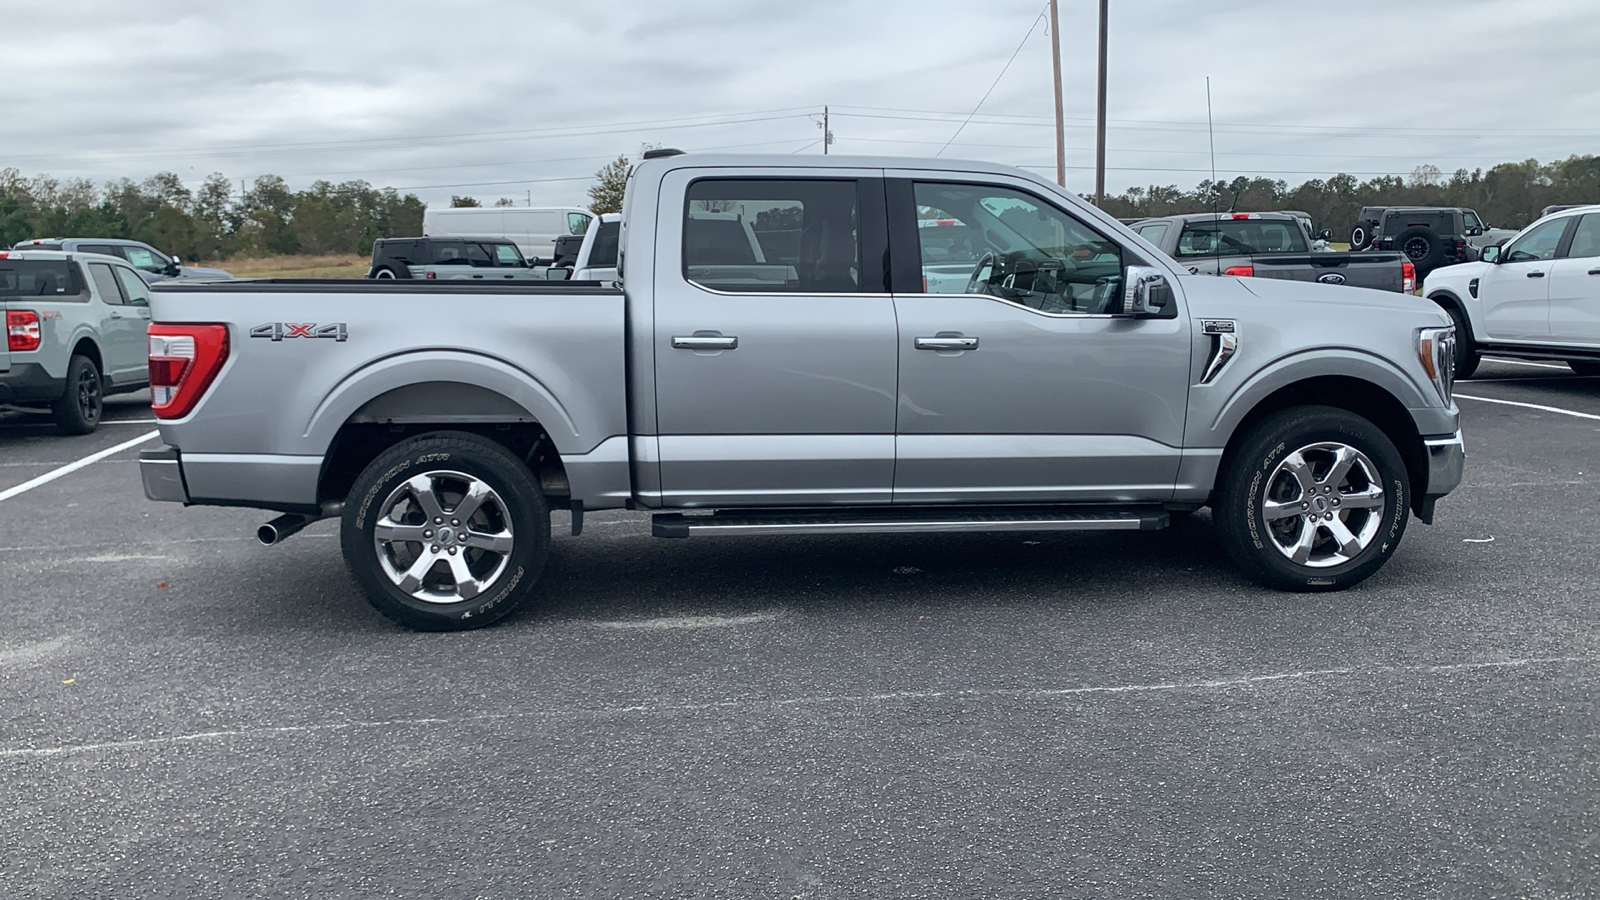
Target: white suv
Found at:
1535, 297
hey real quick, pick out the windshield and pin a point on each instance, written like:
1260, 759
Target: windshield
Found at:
36, 278
1220, 238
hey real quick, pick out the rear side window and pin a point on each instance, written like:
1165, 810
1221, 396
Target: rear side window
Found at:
450, 253
604, 252
39, 278
1154, 233
760, 236
133, 287
106, 284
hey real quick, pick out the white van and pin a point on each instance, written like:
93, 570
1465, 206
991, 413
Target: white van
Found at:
533, 229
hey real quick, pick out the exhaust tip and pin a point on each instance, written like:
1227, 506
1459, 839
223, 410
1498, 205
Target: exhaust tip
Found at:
267, 535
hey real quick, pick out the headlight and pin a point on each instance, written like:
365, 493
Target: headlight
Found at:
1436, 349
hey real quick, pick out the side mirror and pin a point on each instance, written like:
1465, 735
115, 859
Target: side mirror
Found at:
1490, 254
557, 274
1145, 292
1324, 235
1473, 231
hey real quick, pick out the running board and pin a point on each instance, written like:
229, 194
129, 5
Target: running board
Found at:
909, 521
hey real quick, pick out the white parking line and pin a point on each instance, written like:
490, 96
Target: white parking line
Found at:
1539, 406
128, 421
1523, 362
69, 468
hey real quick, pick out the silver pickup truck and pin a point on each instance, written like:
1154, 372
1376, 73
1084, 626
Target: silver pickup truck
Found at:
1270, 245
776, 363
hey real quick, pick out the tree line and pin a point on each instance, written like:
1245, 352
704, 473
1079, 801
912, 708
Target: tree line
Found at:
215, 222
267, 218
1509, 195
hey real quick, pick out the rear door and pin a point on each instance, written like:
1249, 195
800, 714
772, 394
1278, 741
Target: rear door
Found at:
1575, 287
1021, 385
774, 340
128, 322
1515, 294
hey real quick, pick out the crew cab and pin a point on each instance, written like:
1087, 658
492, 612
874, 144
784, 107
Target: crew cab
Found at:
1535, 297
1269, 245
152, 264
75, 331
776, 360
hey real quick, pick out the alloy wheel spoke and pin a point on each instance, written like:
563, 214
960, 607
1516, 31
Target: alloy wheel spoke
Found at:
1296, 465
495, 543
1302, 546
1344, 458
422, 488
389, 530
467, 585
1369, 498
1348, 543
476, 494
1274, 510
412, 580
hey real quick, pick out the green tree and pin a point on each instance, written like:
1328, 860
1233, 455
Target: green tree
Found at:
610, 184
464, 202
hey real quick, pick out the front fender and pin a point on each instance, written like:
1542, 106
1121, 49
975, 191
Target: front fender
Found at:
488, 373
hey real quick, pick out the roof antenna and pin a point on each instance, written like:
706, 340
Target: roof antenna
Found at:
1211, 136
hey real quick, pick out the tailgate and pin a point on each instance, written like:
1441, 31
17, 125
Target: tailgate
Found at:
1378, 271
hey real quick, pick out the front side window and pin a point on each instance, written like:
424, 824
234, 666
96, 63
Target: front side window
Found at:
506, 255
1026, 250
1538, 244
578, 223
1586, 240
133, 287
798, 236
106, 284
146, 260
1470, 219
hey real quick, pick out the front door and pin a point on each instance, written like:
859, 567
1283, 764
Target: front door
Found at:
1575, 287
126, 319
774, 341
1018, 383
1516, 293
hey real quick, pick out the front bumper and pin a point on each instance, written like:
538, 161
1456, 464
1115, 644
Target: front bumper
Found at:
1447, 460
162, 474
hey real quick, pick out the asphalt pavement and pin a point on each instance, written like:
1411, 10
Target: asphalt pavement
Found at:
189, 714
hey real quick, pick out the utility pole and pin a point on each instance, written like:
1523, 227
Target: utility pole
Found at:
827, 136
1100, 124
1061, 125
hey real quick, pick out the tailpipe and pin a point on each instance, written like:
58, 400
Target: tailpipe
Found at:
279, 529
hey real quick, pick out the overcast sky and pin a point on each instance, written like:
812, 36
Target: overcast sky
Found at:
526, 99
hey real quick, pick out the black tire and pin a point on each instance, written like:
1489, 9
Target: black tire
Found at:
1423, 247
517, 507
1583, 367
1251, 474
1362, 233
1467, 357
78, 409
386, 273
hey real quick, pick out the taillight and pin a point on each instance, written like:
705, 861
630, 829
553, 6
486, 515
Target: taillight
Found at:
184, 360
431, 275
1408, 277
22, 330
1241, 271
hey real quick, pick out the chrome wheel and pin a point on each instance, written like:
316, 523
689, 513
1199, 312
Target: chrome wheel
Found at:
1323, 504
443, 537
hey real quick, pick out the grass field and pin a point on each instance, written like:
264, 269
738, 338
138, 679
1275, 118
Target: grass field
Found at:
335, 266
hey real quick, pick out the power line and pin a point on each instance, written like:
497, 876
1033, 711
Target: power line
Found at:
1031, 28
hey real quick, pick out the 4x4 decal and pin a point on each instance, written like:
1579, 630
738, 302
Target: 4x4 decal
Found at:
280, 330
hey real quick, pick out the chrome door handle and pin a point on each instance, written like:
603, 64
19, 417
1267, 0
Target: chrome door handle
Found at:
704, 340
946, 342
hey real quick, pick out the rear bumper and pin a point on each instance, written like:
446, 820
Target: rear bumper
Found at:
162, 473
29, 383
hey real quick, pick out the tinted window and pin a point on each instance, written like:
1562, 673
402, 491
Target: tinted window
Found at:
1029, 252
1439, 221
604, 252
450, 253
133, 287
578, 223
36, 278
1538, 243
795, 236
1154, 233
105, 283
1227, 235
1470, 219
1586, 240
107, 249
401, 250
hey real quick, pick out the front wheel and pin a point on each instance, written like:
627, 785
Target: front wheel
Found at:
446, 532
1313, 498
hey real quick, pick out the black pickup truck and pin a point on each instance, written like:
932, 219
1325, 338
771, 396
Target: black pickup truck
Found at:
1270, 245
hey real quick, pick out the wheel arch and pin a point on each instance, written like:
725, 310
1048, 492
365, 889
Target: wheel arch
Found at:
84, 345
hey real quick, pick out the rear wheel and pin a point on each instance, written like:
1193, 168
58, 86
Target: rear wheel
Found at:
384, 274
78, 409
1423, 248
1580, 367
1312, 498
446, 532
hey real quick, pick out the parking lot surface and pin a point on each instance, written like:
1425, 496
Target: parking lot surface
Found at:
187, 713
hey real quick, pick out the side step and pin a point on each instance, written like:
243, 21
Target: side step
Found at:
924, 520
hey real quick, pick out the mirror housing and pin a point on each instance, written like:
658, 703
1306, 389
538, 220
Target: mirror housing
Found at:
1490, 254
1146, 292
1324, 235
1474, 231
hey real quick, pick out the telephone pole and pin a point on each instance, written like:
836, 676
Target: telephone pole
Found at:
1061, 125
827, 136
1100, 123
